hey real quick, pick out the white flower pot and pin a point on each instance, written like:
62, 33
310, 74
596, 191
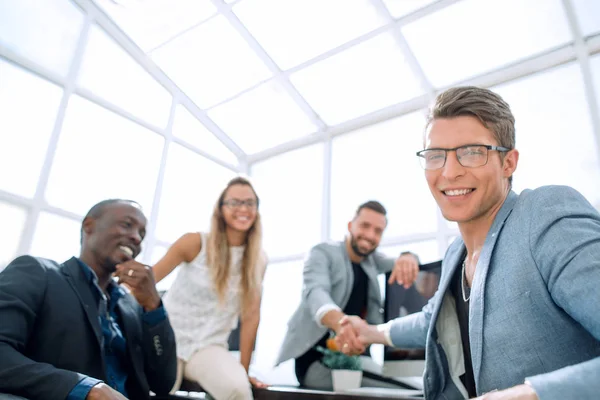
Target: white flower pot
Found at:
345, 379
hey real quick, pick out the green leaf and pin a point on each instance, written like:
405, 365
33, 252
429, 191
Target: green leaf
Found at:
338, 360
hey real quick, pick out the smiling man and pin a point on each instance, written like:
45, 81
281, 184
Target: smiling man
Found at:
69, 331
340, 278
516, 313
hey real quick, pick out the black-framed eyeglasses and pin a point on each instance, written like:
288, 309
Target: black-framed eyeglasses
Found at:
236, 203
470, 155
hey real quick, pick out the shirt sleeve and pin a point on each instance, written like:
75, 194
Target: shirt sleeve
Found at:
156, 316
81, 390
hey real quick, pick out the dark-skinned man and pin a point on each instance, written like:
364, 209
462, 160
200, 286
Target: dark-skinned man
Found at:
71, 331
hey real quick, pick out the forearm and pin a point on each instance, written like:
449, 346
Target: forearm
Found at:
331, 319
248, 329
576, 381
43, 380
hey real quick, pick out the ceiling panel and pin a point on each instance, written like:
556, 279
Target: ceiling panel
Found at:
400, 8
151, 23
362, 79
262, 118
294, 31
472, 37
211, 63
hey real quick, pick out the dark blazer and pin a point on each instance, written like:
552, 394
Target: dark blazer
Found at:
50, 334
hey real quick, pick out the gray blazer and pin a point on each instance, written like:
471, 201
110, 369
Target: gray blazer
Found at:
328, 280
535, 304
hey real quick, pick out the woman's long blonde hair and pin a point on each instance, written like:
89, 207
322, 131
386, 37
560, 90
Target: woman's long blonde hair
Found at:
218, 254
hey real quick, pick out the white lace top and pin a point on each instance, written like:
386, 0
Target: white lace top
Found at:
192, 303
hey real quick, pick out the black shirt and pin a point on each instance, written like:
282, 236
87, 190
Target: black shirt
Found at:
357, 305
462, 311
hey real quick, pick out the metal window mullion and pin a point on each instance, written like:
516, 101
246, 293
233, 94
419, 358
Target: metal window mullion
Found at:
153, 218
581, 50
180, 33
99, 101
30, 66
520, 69
15, 199
215, 129
399, 22
273, 67
409, 56
39, 201
326, 195
127, 44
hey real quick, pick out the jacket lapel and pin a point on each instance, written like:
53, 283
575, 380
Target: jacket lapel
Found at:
450, 263
77, 279
476, 306
129, 328
348, 273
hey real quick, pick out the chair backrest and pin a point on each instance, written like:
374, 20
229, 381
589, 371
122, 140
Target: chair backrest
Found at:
400, 302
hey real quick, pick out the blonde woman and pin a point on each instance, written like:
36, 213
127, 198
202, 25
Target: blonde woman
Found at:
219, 282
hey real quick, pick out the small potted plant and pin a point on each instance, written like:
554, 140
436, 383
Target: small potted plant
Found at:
346, 370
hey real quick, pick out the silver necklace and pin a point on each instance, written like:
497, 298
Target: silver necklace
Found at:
463, 278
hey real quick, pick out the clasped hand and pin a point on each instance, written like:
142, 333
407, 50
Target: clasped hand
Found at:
352, 336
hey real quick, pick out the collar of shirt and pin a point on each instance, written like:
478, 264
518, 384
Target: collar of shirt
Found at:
115, 292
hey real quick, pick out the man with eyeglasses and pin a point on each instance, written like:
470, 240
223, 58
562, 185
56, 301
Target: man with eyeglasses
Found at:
516, 313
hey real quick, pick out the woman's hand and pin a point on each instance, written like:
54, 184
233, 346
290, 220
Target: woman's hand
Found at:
256, 383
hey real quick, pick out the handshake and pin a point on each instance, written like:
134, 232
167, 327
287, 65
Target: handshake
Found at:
354, 335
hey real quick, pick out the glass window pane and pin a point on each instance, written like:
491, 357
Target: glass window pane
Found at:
156, 254
554, 131
101, 155
108, 71
262, 118
588, 15
282, 291
13, 220
365, 78
150, 23
293, 31
209, 70
29, 106
379, 163
463, 40
400, 8
595, 67
45, 32
191, 130
190, 190
57, 238
290, 187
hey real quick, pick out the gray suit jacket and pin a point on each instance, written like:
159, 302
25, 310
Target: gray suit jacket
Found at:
328, 280
534, 309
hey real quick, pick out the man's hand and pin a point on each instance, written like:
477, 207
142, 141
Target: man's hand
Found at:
346, 337
256, 383
406, 269
104, 392
355, 327
519, 392
140, 281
